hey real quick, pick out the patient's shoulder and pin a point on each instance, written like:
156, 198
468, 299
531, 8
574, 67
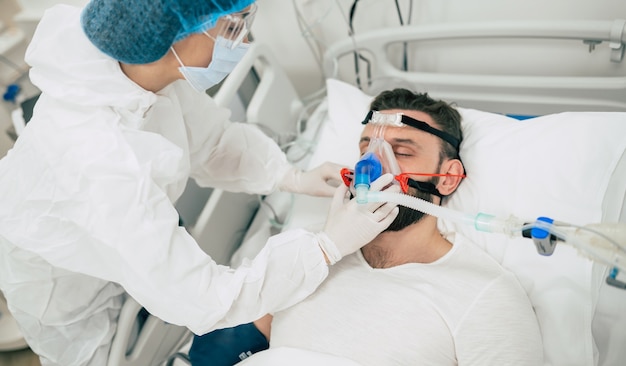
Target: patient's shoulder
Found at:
468, 269
472, 256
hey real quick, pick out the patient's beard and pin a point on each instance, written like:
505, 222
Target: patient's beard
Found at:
408, 216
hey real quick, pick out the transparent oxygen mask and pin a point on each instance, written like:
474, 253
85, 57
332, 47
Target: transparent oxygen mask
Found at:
377, 160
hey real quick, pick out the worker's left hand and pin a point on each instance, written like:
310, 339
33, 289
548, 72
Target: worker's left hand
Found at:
321, 181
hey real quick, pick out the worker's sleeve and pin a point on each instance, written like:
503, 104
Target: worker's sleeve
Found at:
237, 157
86, 202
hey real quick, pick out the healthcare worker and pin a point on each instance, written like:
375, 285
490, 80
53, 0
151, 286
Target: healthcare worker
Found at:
87, 192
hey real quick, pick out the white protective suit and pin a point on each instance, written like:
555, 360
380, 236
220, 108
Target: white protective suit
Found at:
87, 208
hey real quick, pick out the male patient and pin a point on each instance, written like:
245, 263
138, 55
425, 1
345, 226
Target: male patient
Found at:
414, 295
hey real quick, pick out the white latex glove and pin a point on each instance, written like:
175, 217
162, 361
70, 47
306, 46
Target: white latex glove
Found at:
321, 181
351, 225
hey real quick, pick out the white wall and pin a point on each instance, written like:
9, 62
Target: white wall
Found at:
276, 23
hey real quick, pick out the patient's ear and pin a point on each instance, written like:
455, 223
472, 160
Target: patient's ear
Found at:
448, 184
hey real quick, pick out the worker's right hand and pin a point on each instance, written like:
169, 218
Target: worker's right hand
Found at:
351, 225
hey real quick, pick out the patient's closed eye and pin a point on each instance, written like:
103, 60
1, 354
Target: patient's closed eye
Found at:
401, 150
403, 153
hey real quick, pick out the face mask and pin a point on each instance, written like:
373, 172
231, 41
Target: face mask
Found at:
379, 157
223, 62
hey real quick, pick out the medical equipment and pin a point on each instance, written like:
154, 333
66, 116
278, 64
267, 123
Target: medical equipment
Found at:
379, 157
605, 243
365, 169
402, 120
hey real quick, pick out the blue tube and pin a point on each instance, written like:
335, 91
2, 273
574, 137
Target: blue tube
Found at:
366, 170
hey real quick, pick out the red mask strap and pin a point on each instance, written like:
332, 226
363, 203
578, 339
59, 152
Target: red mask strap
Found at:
346, 176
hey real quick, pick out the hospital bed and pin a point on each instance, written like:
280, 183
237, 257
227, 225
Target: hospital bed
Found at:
568, 162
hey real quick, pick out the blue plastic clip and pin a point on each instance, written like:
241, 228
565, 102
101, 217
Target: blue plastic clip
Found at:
544, 242
612, 280
10, 95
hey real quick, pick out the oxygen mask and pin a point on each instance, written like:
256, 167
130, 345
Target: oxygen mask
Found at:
377, 160
379, 157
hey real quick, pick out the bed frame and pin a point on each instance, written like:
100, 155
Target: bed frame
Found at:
591, 43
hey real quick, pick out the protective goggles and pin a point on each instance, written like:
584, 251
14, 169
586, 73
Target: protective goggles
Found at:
234, 27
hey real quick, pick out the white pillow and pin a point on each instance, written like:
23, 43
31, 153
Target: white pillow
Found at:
565, 166
339, 137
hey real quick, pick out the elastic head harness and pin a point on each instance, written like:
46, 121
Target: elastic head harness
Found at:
399, 120
426, 187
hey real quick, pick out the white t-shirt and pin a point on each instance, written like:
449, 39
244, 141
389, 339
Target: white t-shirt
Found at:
463, 309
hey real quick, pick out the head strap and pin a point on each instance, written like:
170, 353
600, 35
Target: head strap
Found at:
425, 187
399, 119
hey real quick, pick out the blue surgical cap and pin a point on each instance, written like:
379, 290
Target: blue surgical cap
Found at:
142, 31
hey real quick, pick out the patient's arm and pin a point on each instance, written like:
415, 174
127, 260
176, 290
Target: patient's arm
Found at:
264, 325
228, 346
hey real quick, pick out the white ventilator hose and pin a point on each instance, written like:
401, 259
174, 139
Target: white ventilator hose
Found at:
419, 204
481, 222
604, 243
601, 242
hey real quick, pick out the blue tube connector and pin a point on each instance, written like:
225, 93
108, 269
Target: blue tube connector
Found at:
366, 170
